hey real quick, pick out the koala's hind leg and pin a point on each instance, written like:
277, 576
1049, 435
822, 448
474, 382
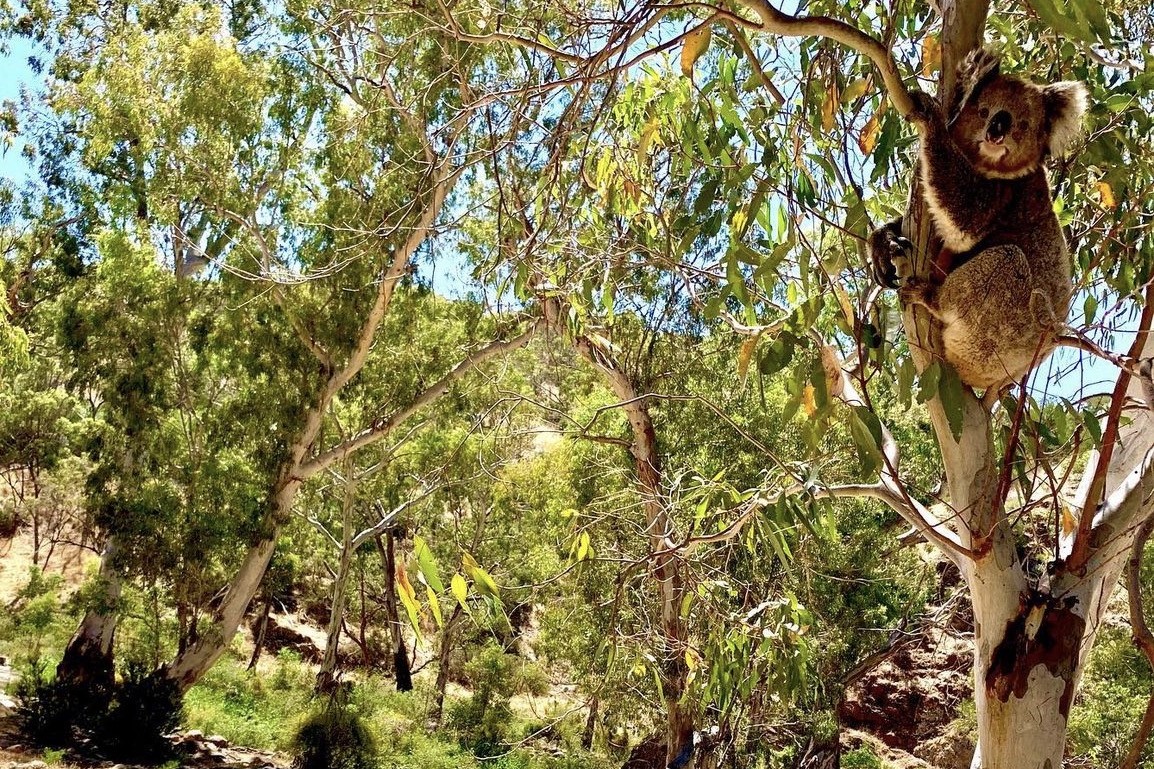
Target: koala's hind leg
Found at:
996, 321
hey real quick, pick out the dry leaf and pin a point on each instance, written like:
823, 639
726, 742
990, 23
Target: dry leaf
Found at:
745, 355
931, 55
831, 367
808, 400
1069, 523
829, 109
868, 139
696, 44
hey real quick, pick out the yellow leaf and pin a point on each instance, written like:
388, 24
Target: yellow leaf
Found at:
646, 140
931, 55
403, 583
845, 303
696, 43
692, 659
855, 90
807, 400
1106, 193
829, 108
460, 590
1069, 523
868, 139
744, 356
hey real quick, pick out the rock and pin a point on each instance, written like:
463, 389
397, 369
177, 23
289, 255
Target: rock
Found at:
912, 697
217, 740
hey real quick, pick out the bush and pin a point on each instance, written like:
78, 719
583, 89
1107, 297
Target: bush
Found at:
861, 758
127, 722
53, 713
146, 705
334, 738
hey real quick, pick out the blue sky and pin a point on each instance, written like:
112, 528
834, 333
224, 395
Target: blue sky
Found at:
15, 73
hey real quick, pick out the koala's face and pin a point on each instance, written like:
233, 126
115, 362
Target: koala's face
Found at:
1003, 128
1006, 125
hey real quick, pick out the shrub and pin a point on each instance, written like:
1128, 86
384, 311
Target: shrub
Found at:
861, 758
334, 738
52, 712
145, 706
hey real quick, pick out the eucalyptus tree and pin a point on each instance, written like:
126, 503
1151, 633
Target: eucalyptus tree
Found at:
261, 185
804, 126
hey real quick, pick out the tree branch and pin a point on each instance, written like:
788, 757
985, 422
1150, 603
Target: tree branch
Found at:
780, 23
384, 427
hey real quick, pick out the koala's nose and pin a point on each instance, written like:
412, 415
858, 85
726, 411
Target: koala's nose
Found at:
999, 126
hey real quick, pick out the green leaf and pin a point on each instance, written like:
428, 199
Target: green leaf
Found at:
1093, 426
952, 393
866, 432
427, 565
1090, 308
777, 355
928, 382
906, 374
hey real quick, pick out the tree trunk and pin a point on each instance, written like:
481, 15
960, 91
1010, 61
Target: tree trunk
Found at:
200, 656
260, 633
436, 712
667, 572
590, 723
87, 663
327, 677
402, 671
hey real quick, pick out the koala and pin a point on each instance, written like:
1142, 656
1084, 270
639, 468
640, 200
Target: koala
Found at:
1001, 285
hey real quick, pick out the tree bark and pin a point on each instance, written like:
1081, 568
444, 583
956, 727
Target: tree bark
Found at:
401, 669
1143, 639
436, 712
260, 633
87, 663
590, 723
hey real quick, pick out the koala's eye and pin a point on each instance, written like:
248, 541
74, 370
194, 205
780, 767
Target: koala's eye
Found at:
983, 113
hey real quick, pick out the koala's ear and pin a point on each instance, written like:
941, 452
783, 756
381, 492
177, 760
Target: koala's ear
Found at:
1064, 104
979, 67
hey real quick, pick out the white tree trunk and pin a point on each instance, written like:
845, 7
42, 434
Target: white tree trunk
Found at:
87, 660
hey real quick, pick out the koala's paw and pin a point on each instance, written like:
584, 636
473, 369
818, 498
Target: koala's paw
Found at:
926, 108
889, 255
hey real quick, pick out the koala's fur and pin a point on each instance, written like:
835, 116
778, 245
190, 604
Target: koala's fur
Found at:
1007, 285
